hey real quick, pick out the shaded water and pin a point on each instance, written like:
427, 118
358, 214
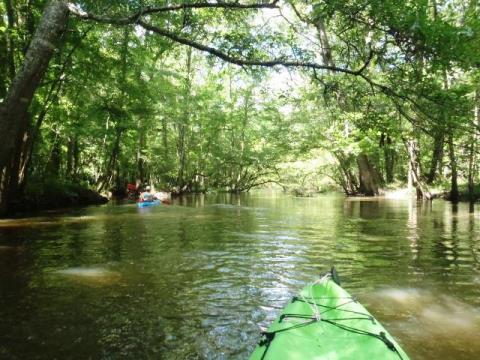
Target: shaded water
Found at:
195, 280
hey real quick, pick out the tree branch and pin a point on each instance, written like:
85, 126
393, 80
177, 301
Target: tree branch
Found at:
242, 62
136, 19
77, 11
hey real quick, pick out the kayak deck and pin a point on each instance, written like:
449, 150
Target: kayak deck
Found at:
326, 322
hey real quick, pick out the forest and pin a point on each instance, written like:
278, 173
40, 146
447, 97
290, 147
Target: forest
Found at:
197, 96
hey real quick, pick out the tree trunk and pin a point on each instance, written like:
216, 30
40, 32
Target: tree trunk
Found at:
472, 166
410, 176
437, 156
368, 176
389, 156
10, 54
471, 171
414, 171
70, 150
347, 179
181, 156
454, 194
55, 160
72, 157
165, 140
3, 62
53, 94
182, 132
142, 144
14, 119
324, 42
109, 175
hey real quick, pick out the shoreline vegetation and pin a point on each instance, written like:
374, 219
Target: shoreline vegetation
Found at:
300, 178
56, 196
399, 192
235, 95
74, 195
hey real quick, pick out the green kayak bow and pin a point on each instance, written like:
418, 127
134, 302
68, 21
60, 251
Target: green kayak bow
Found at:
326, 322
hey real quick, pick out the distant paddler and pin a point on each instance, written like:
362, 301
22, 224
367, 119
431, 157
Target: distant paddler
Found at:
132, 191
147, 195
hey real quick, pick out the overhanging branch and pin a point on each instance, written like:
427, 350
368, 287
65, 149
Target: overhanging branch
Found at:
130, 19
243, 62
136, 18
284, 62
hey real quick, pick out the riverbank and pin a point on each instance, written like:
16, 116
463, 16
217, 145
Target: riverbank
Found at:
396, 191
440, 191
56, 195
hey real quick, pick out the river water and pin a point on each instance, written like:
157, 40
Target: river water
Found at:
197, 279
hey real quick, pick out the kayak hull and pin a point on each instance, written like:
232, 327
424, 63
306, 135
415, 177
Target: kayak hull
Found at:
326, 322
148, 203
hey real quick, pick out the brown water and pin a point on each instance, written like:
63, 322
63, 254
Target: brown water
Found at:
195, 280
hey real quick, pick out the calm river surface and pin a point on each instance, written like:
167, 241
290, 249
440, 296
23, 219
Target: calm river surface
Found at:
196, 279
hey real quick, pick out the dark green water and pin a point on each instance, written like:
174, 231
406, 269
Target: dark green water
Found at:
195, 280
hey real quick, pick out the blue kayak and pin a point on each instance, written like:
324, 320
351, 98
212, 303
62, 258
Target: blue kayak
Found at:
148, 203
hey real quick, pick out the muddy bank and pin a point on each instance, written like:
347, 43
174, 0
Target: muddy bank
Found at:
57, 198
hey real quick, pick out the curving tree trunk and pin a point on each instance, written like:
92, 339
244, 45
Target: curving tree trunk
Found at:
414, 171
14, 117
347, 178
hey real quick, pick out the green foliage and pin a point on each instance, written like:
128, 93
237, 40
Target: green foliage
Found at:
119, 103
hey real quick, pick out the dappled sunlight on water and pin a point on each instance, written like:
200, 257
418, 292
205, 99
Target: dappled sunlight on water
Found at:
199, 278
430, 321
90, 275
